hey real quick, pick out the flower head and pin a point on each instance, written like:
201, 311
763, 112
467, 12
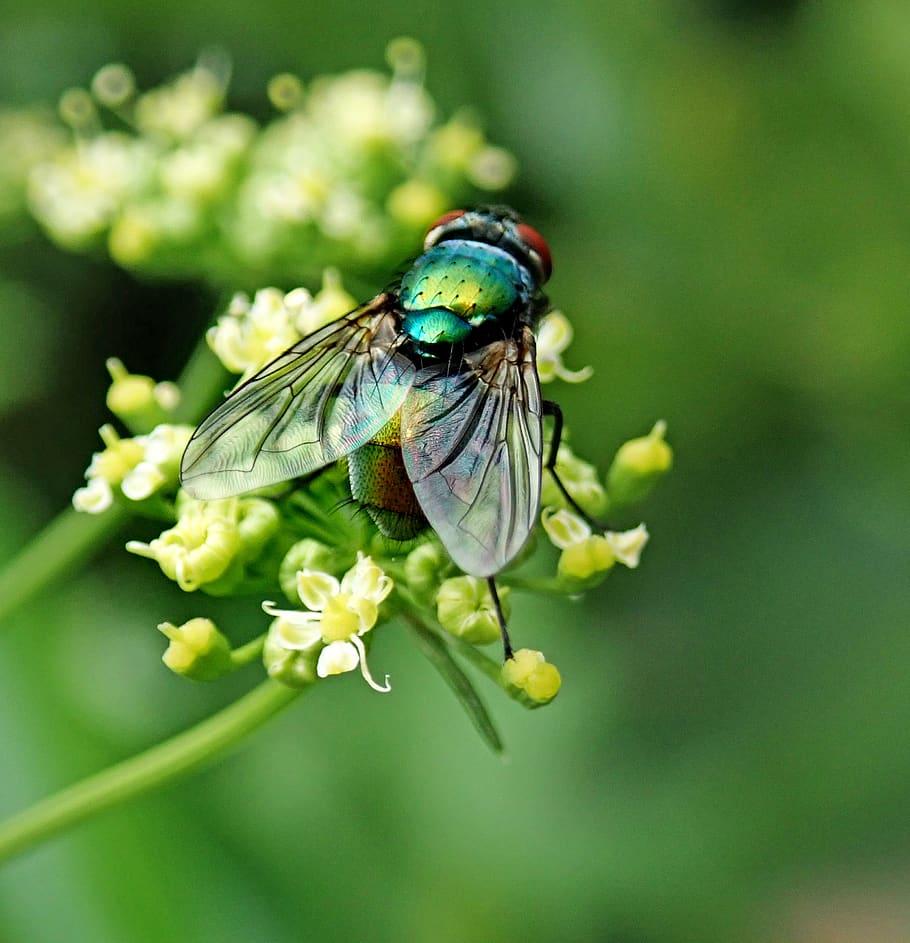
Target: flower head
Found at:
586, 555
338, 615
531, 678
638, 465
465, 607
196, 650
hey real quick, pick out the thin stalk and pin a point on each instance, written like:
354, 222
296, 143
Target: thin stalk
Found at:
159, 766
72, 538
248, 653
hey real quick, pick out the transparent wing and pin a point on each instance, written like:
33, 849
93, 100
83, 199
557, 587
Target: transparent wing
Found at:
318, 401
472, 449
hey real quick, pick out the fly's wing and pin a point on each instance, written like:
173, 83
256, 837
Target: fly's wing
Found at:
318, 401
472, 448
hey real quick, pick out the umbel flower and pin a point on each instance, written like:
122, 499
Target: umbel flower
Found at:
348, 173
338, 615
344, 179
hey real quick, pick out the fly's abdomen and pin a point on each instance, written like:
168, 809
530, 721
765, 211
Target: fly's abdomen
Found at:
380, 485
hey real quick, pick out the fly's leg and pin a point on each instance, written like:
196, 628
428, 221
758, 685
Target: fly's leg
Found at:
553, 409
506, 643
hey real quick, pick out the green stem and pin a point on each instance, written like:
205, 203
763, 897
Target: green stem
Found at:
156, 767
247, 654
72, 537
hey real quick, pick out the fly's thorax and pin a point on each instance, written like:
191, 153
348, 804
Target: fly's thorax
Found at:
457, 286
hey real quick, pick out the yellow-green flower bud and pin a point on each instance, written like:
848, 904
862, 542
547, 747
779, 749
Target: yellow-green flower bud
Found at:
330, 302
285, 91
308, 554
117, 460
258, 521
465, 608
585, 555
293, 667
590, 557
200, 547
638, 465
530, 678
581, 481
424, 567
416, 203
197, 650
113, 85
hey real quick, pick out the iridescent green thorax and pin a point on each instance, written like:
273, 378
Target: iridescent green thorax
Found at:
456, 286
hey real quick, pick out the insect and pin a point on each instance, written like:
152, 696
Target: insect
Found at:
431, 391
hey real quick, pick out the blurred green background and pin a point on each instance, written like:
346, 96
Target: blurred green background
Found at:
725, 188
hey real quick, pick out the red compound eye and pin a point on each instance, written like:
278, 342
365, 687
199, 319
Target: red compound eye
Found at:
533, 239
446, 218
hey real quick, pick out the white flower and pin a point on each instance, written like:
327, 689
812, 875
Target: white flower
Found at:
97, 496
163, 448
339, 615
250, 335
553, 337
627, 545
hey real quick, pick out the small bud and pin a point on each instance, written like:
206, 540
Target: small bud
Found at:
308, 554
258, 521
118, 459
530, 678
465, 608
199, 548
406, 56
492, 168
294, 667
137, 400
285, 91
113, 85
197, 650
77, 109
424, 567
585, 555
590, 557
580, 480
329, 303
638, 465
416, 203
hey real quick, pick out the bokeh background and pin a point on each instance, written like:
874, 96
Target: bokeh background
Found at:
725, 187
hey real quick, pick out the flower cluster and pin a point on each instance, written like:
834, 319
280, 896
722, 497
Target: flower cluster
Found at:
348, 173
304, 542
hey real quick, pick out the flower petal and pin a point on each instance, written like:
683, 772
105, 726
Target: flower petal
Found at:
316, 588
564, 528
364, 668
337, 658
294, 616
627, 545
294, 636
366, 580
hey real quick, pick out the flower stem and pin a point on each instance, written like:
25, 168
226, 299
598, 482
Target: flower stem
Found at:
162, 764
69, 539
248, 653
73, 537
